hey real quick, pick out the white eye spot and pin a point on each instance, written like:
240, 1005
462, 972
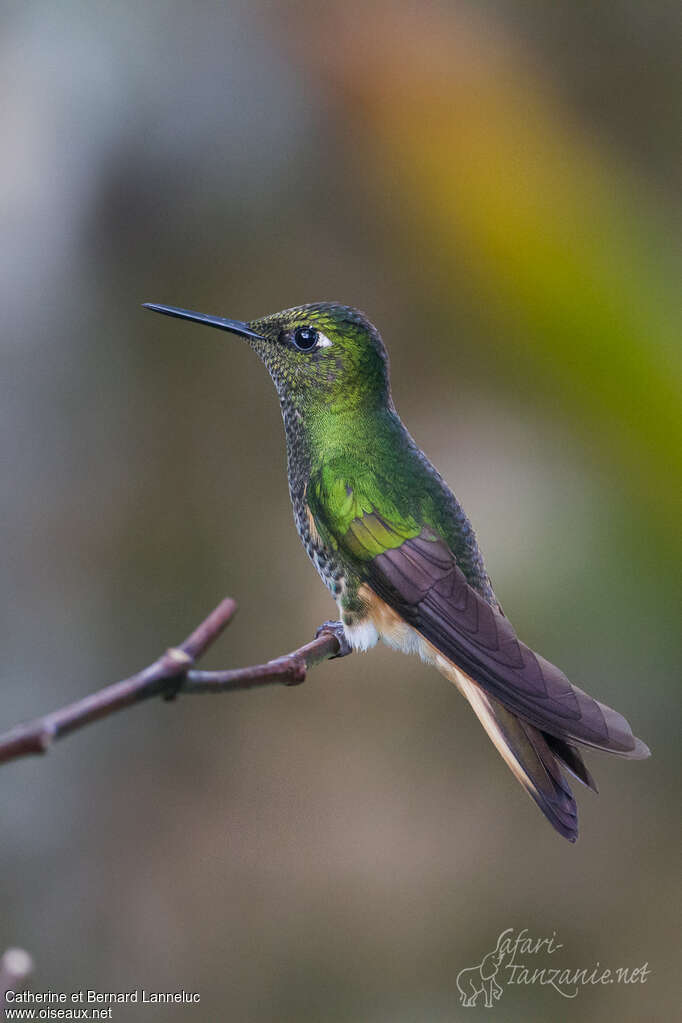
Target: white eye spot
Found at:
309, 339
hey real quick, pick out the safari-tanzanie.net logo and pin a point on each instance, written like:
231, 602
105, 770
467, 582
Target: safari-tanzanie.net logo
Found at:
519, 960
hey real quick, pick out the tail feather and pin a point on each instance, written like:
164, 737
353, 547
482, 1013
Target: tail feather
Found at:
527, 752
569, 757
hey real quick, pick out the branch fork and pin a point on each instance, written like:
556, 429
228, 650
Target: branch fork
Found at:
171, 674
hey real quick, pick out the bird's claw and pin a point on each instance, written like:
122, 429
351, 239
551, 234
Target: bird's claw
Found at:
337, 630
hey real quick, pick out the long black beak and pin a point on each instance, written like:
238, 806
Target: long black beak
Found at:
234, 326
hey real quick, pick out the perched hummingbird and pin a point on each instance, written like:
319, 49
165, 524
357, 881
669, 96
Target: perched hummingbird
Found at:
392, 543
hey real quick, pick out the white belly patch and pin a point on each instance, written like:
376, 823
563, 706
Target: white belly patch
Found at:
362, 636
382, 623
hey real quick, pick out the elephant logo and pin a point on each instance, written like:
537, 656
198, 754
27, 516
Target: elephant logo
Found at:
473, 981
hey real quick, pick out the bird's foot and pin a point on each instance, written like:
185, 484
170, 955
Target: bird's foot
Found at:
337, 630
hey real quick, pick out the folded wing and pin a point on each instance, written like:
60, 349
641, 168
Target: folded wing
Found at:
422, 582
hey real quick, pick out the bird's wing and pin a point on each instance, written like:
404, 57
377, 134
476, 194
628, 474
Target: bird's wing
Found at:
414, 571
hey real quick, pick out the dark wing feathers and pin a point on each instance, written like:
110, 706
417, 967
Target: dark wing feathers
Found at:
538, 770
571, 759
421, 580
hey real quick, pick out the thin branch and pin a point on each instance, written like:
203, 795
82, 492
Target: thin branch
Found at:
172, 673
16, 966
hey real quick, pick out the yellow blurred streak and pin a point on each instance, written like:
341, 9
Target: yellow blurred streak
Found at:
570, 265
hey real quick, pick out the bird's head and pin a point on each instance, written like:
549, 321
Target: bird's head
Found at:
318, 355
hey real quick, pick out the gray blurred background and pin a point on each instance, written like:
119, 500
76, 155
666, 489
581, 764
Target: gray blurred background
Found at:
496, 186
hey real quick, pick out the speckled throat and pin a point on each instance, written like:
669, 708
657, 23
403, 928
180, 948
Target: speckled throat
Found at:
298, 470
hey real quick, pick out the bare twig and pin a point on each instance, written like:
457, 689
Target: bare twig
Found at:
170, 674
16, 966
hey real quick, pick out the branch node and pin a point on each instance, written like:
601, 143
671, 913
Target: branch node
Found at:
47, 734
297, 668
170, 674
179, 662
179, 656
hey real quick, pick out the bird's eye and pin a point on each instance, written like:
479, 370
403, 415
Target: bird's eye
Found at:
305, 338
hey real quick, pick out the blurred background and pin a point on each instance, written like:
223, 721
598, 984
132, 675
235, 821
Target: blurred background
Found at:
496, 185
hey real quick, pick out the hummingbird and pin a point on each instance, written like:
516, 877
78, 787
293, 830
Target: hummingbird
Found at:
395, 548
